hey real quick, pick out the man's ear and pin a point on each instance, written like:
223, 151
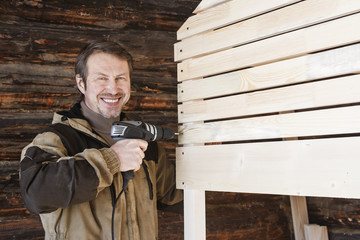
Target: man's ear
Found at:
80, 83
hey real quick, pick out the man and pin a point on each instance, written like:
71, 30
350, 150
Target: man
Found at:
71, 173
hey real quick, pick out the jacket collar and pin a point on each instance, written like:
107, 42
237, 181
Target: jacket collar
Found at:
76, 120
75, 113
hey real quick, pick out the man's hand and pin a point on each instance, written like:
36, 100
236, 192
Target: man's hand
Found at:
130, 153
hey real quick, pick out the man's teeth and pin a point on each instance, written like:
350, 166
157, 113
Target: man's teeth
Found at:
110, 100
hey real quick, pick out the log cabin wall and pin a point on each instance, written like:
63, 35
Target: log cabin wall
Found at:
39, 41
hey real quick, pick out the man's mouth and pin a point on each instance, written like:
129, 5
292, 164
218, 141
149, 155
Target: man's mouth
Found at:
108, 100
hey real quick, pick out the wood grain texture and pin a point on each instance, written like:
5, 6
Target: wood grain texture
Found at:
39, 41
286, 19
205, 4
237, 74
300, 168
335, 91
227, 13
334, 121
314, 231
299, 216
194, 215
327, 64
319, 37
243, 216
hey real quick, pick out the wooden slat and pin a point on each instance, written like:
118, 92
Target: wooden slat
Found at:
322, 167
227, 13
315, 232
273, 23
194, 215
300, 215
206, 4
331, 34
310, 95
326, 64
313, 123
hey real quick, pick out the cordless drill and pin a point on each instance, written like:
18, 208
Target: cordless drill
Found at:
139, 130
136, 130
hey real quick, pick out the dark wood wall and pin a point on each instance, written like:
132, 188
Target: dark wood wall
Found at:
39, 41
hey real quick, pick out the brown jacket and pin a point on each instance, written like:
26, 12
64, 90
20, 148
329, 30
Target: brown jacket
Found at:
70, 177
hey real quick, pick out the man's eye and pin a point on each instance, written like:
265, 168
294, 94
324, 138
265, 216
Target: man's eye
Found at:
121, 78
102, 78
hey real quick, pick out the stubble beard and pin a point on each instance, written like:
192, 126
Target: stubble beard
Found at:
115, 113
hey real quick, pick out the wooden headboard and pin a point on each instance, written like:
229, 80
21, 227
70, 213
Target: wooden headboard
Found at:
269, 101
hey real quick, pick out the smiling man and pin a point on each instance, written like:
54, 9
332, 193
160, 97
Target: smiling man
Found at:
71, 172
107, 86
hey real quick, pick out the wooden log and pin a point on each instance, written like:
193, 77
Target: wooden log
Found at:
339, 214
159, 15
160, 102
12, 102
247, 216
37, 70
12, 205
61, 46
171, 225
9, 177
22, 228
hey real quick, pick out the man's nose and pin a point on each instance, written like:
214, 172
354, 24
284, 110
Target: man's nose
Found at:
113, 86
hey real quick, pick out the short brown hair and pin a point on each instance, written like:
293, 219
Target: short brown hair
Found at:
100, 46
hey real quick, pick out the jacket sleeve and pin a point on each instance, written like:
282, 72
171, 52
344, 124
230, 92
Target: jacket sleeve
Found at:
166, 180
50, 179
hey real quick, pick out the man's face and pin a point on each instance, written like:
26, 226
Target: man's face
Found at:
107, 85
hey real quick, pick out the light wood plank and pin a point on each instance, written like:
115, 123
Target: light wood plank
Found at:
322, 167
327, 35
310, 95
227, 13
336, 62
299, 215
313, 123
315, 232
273, 23
206, 4
194, 211
194, 215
